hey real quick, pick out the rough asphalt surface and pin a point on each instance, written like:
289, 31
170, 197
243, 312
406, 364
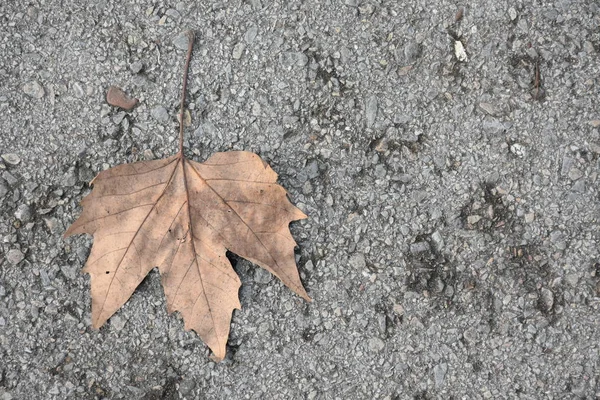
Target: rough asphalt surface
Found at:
452, 248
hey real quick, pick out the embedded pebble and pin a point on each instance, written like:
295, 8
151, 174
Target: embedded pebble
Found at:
412, 51
572, 279
437, 240
558, 239
473, 219
23, 213
371, 110
574, 174
529, 217
3, 189
439, 374
33, 89
136, 67
70, 178
376, 345
489, 108
51, 224
15, 256
117, 322
11, 158
512, 13
419, 248
358, 261
181, 41
579, 186
160, 114
517, 149
238, 50
78, 90
187, 386
546, 299
290, 59
251, 34
566, 165
262, 276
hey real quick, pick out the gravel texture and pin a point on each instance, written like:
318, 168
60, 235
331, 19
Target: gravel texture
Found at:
452, 248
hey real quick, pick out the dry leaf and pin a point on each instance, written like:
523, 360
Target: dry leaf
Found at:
183, 216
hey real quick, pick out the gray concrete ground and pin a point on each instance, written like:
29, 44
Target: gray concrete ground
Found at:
452, 248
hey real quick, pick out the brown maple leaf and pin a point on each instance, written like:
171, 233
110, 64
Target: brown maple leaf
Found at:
182, 216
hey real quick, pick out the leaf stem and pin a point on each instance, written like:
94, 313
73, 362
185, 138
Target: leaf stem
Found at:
190, 35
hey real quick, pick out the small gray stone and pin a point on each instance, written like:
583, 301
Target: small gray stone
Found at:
3, 189
579, 186
419, 248
117, 322
412, 51
588, 47
567, 163
518, 149
473, 219
136, 67
489, 108
312, 169
118, 117
558, 239
376, 345
290, 59
85, 174
366, 9
546, 299
512, 13
436, 284
187, 386
251, 34
69, 271
46, 282
23, 213
529, 217
10, 178
575, 173
262, 276
493, 127
437, 240
358, 261
238, 50
181, 41
404, 178
70, 178
160, 114
33, 89
572, 279
11, 158
371, 110
14, 256
351, 3
7, 396
439, 374
51, 224
78, 90
470, 335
